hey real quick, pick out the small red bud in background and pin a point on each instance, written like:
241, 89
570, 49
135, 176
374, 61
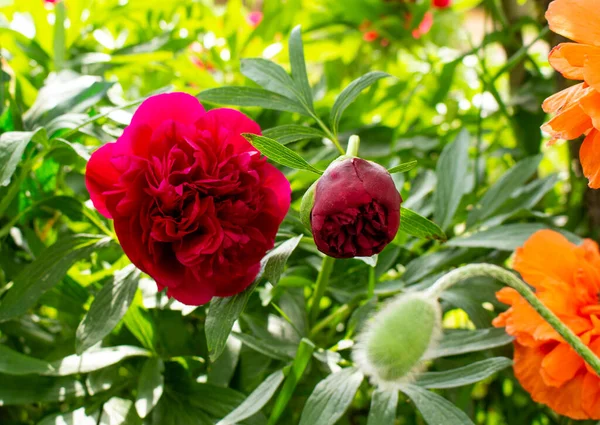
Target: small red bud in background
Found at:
370, 36
424, 27
442, 4
254, 18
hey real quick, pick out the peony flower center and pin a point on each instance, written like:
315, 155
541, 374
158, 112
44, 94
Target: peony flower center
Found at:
364, 227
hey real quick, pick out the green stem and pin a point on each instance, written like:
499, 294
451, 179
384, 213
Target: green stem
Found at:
329, 134
372, 281
509, 279
331, 319
321, 286
59, 35
353, 145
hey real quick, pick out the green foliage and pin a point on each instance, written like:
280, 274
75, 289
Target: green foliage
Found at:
454, 116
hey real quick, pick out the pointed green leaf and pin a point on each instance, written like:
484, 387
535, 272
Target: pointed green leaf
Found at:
463, 341
275, 260
12, 147
403, 168
269, 76
108, 308
30, 389
383, 408
465, 375
150, 386
292, 133
298, 64
95, 360
255, 401
350, 94
451, 179
46, 271
14, 363
435, 409
501, 191
250, 96
331, 397
418, 226
279, 153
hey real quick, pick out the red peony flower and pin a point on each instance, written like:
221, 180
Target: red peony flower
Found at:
356, 209
194, 204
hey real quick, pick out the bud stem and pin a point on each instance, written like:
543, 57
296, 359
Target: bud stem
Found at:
321, 286
509, 279
353, 144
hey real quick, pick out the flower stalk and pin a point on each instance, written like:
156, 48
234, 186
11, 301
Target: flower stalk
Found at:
321, 287
509, 279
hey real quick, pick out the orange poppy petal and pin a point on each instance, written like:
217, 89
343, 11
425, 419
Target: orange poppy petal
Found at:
565, 400
590, 396
591, 106
568, 59
560, 365
546, 254
564, 98
577, 20
569, 124
589, 155
591, 69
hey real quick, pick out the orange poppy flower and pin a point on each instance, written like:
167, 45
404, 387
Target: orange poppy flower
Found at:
577, 109
566, 278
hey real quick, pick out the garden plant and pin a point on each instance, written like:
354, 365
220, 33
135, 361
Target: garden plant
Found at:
313, 212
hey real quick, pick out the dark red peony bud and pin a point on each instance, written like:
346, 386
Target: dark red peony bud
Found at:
356, 210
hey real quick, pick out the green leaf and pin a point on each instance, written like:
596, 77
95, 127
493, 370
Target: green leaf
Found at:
95, 360
46, 271
275, 260
108, 308
403, 168
250, 96
350, 94
222, 314
303, 356
506, 238
269, 76
298, 64
465, 375
115, 411
65, 92
278, 153
14, 363
418, 226
463, 341
435, 409
383, 408
219, 402
31, 389
12, 147
255, 401
263, 347
451, 173
141, 324
331, 397
290, 133
150, 386
501, 191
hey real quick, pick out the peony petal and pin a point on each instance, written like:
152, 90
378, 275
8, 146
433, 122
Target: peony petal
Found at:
591, 69
560, 365
181, 107
590, 396
578, 20
231, 285
101, 177
589, 155
278, 184
568, 59
192, 291
230, 124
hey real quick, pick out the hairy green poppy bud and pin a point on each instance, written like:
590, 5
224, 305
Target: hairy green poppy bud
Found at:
353, 209
391, 347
